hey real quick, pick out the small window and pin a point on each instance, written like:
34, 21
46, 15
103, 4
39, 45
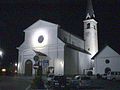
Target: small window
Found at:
112, 73
88, 26
119, 73
116, 73
107, 61
88, 49
94, 27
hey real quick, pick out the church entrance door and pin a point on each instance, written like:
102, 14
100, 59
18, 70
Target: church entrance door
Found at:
28, 68
107, 69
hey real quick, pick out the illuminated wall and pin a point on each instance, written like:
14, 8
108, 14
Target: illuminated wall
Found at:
107, 58
42, 37
90, 36
47, 38
76, 61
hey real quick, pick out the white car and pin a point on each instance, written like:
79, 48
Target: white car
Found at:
81, 80
114, 75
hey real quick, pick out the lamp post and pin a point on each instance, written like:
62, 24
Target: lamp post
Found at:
1, 53
15, 68
15, 64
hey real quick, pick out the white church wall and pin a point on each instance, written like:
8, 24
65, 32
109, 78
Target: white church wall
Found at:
60, 60
51, 45
71, 39
107, 54
32, 33
19, 68
101, 65
71, 63
84, 62
28, 34
56, 55
114, 64
23, 57
76, 62
77, 41
90, 36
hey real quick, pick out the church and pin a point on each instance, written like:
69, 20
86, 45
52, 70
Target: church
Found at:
57, 50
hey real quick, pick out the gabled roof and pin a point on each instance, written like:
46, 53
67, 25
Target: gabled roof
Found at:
103, 50
40, 23
59, 28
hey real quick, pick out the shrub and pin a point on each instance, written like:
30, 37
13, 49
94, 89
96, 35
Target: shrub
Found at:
99, 76
37, 83
89, 73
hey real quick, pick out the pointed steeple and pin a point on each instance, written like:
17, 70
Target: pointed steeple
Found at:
89, 11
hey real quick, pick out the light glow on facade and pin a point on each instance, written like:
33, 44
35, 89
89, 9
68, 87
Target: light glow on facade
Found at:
16, 64
1, 53
15, 71
36, 35
62, 64
59, 66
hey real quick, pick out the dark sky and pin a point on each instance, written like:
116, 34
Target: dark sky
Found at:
17, 15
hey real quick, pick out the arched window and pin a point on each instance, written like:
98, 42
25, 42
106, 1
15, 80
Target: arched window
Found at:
88, 26
107, 69
88, 49
94, 27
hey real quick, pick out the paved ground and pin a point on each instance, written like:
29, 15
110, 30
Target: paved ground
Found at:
98, 85
107, 84
21, 83
14, 83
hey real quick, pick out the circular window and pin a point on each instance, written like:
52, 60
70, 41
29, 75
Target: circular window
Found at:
40, 39
107, 61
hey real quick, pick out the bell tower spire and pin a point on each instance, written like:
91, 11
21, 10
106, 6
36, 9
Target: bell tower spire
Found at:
89, 10
90, 30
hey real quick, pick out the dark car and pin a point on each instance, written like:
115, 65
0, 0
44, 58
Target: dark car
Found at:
49, 80
59, 81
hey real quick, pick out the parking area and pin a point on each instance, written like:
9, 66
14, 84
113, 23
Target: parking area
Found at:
85, 83
79, 83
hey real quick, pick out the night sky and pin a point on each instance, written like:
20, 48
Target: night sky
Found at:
17, 15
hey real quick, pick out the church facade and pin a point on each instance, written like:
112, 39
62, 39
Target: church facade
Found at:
58, 49
107, 60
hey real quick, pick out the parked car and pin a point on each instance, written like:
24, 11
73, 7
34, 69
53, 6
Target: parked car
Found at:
68, 81
49, 79
104, 76
114, 75
59, 81
80, 80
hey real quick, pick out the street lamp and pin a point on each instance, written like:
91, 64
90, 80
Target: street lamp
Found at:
15, 64
1, 53
15, 68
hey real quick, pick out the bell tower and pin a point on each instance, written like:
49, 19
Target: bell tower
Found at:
90, 30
